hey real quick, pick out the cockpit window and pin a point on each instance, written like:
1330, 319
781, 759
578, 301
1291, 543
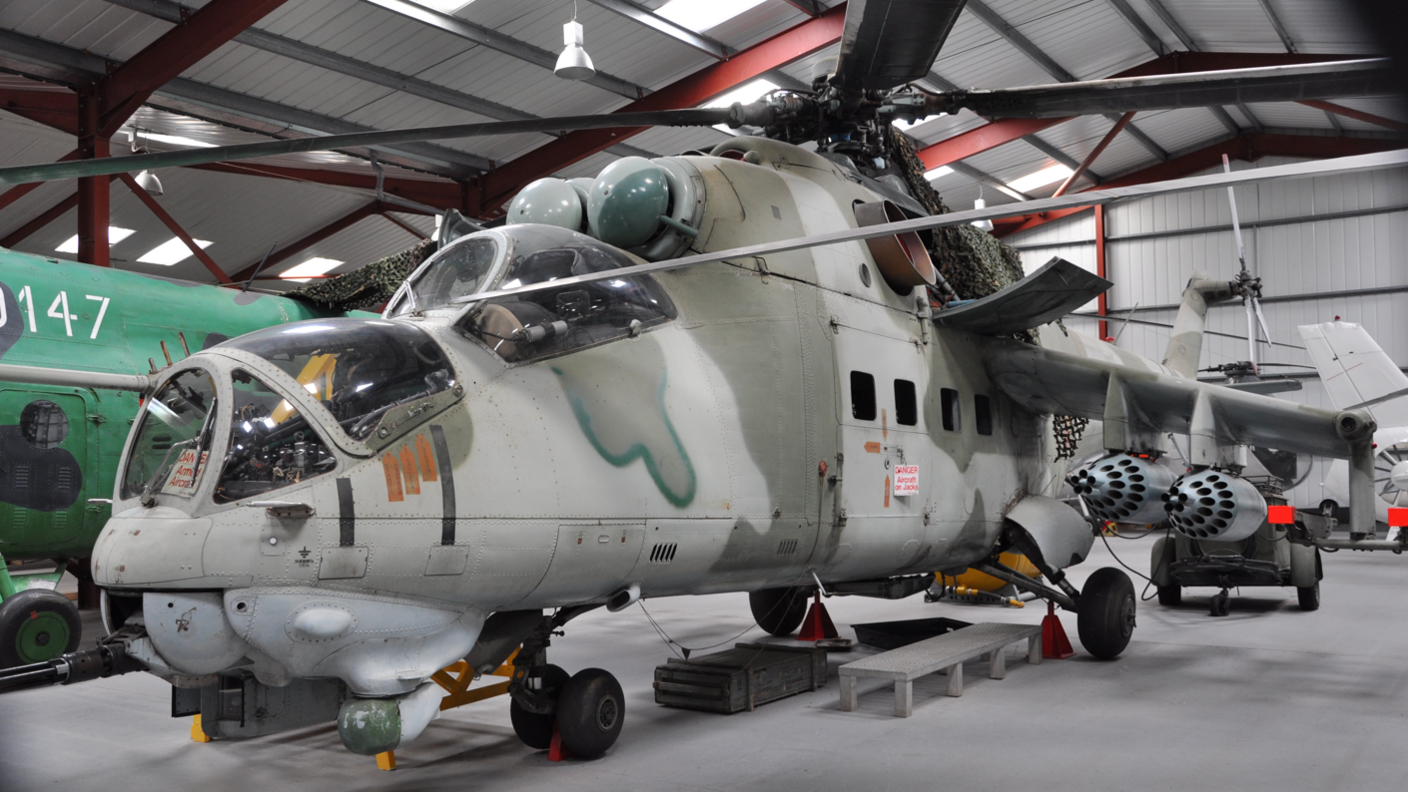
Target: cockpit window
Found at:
359, 369
543, 323
271, 443
462, 269
173, 438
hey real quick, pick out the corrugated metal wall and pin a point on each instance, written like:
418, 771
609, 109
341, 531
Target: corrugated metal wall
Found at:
1324, 247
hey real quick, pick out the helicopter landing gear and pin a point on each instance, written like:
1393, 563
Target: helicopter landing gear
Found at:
1220, 604
590, 712
535, 728
37, 625
779, 611
1105, 613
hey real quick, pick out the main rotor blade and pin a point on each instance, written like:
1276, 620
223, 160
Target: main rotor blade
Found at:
1166, 92
78, 169
1300, 170
891, 42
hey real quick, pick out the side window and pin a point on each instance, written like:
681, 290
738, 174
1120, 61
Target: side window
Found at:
982, 414
953, 421
906, 405
862, 396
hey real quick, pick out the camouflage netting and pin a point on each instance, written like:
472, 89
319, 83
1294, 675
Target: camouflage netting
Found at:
369, 286
975, 264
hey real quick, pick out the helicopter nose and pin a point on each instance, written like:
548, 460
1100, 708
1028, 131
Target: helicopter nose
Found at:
143, 547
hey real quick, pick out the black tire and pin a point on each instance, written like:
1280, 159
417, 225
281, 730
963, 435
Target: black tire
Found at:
1170, 596
1309, 597
779, 611
534, 729
37, 625
590, 713
1105, 613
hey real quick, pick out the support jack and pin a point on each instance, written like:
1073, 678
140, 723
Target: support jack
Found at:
817, 625
1054, 643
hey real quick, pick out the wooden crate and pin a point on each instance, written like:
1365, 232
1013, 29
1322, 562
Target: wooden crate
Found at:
740, 678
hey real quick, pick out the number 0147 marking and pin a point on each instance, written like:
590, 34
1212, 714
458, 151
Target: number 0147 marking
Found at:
58, 309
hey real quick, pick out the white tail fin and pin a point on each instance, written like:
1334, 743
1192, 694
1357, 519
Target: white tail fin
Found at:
1355, 370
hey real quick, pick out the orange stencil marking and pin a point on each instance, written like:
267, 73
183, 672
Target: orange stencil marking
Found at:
884, 425
887, 492
872, 448
408, 471
427, 458
392, 468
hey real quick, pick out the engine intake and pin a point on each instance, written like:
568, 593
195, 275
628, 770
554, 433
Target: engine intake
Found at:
1212, 504
1124, 488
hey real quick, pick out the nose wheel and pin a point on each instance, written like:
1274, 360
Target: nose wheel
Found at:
37, 625
587, 709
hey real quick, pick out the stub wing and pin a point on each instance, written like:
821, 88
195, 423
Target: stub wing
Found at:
1046, 295
1140, 404
1356, 372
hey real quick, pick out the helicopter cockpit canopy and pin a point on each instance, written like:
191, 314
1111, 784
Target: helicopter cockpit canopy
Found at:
543, 323
362, 371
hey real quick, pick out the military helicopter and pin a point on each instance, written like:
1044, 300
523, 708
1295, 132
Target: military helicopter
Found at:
733, 380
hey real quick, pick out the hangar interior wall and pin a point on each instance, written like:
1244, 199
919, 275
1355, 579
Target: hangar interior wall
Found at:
1323, 247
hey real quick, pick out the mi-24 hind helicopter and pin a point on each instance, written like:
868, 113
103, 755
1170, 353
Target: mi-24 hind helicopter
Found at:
733, 382
542, 420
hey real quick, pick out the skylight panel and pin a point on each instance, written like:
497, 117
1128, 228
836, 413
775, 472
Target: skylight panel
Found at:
701, 15
939, 172
115, 235
173, 251
309, 269
1041, 178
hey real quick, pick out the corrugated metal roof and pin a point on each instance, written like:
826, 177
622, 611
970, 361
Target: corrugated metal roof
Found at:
1088, 38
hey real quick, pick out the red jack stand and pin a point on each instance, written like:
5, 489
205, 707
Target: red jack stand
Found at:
1054, 643
817, 625
556, 753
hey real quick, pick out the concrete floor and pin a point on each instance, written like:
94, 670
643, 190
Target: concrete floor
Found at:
1266, 698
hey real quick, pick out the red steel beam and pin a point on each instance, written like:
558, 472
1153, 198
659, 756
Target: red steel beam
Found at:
50, 215
797, 42
58, 109
1249, 147
1357, 115
344, 222
19, 191
407, 227
93, 197
128, 86
1099, 149
174, 227
997, 133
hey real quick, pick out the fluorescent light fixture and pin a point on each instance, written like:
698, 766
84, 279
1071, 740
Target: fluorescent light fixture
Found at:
173, 251
175, 140
313, 266
115, 235
701, 15
1043, 177
942, 170
743, 94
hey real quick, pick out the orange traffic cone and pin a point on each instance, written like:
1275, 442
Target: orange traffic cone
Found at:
1054, 643
556, 753
818, 623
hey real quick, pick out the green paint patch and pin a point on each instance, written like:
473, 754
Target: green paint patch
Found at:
678, 493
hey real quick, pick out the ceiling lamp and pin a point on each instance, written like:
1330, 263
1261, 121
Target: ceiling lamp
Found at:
574, 63
984, 224
146, 179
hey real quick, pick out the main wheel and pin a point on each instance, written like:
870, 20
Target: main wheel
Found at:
1309, 597
37, 625
535, 729
779, 611
1105, 613
1170, 596
590, 712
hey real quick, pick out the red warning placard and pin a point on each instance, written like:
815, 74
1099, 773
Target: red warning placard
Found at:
906, 480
